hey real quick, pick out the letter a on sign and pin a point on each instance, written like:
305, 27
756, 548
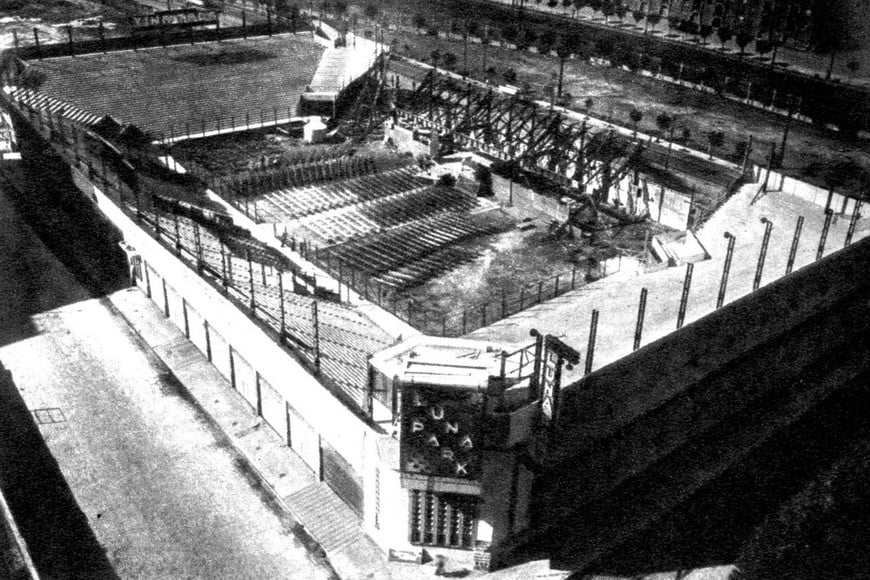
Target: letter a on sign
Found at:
466, 443
433, 441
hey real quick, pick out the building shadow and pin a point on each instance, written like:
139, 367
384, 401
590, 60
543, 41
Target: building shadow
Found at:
712, 527
57, 533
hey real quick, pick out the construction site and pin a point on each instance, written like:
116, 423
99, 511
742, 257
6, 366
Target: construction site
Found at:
361, 243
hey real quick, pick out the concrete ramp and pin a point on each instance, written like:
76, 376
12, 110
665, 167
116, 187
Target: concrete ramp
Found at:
341, 66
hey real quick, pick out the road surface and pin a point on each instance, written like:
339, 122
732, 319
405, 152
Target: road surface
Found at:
142, 486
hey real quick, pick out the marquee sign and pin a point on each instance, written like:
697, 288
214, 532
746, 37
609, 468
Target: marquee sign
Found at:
440, 431
181, 18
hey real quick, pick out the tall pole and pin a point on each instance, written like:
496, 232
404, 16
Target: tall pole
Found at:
723, 285
590, 349
684, 299
641, 309
856, 213
768, 226
829, 213
794, 244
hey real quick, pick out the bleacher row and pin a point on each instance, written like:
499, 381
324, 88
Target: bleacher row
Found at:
410, 253
203, 82
303, 174
346, 338
39, 101
285, 205
377, 215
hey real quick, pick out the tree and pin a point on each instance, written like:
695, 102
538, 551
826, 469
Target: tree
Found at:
435, 57
853, 66
704, 32
620, 11
714, 139
608, 9
763, 46
742, 39
419, 21
638, 15
724, 33
510, 33
546, 41
636, 117
552, 3
563, 51
588, 102
449, 60
371, 11
664, 122
653, 20
510, 76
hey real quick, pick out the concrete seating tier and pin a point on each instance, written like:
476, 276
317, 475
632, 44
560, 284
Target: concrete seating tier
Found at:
411, 253
376, 215
346, 338
286, 205
176, 89
302, 174
39, 101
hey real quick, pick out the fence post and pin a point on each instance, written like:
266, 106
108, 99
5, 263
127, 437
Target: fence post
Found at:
283, 328
198, 241
540, 288
641, 310
684, 299
573, 276
464, 319
503, 302
522, 298
768, 225
483, 314
224, 277
724, 283
251, 280
177, 235
316, 326
590, 349
829, 213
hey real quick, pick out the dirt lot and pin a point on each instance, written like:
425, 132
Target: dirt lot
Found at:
52, 17
813, 153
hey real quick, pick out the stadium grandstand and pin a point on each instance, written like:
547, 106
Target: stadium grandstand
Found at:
377, 246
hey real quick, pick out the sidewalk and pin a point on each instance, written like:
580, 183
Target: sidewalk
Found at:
324, 519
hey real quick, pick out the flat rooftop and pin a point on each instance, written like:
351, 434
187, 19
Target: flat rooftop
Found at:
161, 89
617, 297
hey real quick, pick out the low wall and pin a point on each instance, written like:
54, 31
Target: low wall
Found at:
238, 348
511, 193
776, 181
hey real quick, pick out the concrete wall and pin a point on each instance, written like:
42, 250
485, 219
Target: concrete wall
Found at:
814, 194
286, 395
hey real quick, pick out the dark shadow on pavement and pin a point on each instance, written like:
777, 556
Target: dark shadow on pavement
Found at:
58, 534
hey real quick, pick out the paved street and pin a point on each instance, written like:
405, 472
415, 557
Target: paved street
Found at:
164, 495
